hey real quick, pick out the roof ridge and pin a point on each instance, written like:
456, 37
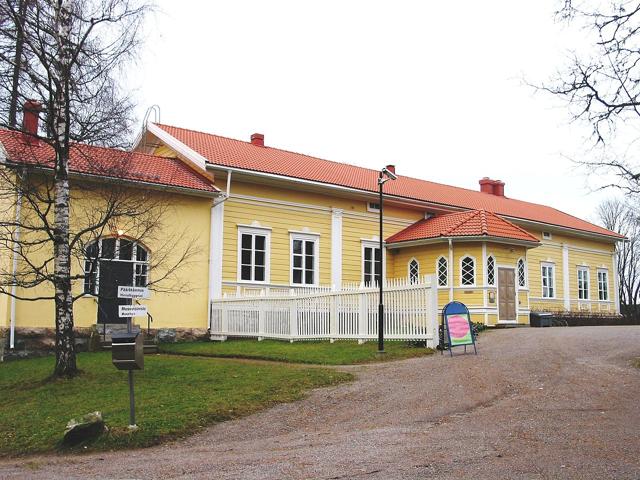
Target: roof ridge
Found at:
466, 217
483, 222
284, 150
512, 224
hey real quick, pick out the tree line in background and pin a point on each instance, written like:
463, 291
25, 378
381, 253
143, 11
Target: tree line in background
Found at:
622, 216
600, 86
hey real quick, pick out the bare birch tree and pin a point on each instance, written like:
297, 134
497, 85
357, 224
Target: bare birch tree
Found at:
601, 84
72, 54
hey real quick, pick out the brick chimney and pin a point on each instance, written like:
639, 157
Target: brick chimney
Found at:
257, 139
494, 187
486, 185
30, 118
498, 188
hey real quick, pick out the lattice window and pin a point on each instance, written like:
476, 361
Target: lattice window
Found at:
468, 271
491, 271
522, 273
443, 272
414, 271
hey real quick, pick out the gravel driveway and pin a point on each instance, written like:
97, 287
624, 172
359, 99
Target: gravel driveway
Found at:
535, 403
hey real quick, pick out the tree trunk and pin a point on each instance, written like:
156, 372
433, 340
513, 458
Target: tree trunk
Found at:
17, 66
65, 348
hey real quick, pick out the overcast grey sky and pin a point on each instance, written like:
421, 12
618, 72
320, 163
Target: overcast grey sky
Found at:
434, 87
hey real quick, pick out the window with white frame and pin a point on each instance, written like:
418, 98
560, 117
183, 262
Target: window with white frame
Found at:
414, 271
442, 272
371, 264
114, 249
253, 254
583, 283
467, 271
304, 259
546, 235
491, 270
548, 280
522, 273
373, 206
603, 285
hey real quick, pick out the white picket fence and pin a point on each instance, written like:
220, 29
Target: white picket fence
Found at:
350, 313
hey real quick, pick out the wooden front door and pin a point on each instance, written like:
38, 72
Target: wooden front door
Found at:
506, 294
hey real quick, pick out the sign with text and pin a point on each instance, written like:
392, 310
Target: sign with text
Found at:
126, 311
457, 323
125, 291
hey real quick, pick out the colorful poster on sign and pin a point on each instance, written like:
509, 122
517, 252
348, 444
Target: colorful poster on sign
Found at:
459, 328
457, 324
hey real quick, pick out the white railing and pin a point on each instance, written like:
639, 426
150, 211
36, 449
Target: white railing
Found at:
350, 313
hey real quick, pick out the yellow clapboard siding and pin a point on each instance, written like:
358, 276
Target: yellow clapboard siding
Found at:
280, 222
304, 197
183, 223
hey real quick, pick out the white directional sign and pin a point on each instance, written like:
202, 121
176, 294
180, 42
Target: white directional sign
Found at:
132, 311
132, 292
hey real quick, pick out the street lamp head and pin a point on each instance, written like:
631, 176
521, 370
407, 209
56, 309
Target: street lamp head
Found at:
389, 174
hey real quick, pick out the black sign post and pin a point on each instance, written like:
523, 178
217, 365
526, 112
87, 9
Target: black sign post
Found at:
127, 349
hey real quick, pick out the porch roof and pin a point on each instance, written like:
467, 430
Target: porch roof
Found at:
474, 223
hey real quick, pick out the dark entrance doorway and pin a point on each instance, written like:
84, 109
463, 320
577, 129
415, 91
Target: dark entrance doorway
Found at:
113, 274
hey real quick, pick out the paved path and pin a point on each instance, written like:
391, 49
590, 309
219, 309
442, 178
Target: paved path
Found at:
535, 403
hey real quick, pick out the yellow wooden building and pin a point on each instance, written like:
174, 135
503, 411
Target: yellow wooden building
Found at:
280, 208
265, 219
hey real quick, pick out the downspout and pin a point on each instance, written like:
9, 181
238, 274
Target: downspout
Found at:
214, 248
14, 269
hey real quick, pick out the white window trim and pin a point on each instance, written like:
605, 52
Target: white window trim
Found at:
371, 209
495, 271
374, 244
526, 274
553, 277
315, 238
446, 285
412, 259
254, 230
475, 270
598, 272
584, 268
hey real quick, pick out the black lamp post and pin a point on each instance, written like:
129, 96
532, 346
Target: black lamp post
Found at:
386, 174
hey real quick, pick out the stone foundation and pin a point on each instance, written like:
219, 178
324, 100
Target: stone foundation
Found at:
38, 342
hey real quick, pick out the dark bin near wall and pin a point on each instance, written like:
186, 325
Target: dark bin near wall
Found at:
539, 319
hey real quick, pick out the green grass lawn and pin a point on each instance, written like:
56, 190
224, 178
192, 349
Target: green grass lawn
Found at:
324, 353
175, 396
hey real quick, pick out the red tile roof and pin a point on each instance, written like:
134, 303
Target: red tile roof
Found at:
474, 223
228, 152
108, 163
